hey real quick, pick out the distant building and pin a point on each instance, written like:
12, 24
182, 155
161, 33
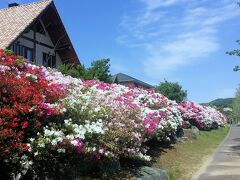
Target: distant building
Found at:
130, 82
227, 109
36, 32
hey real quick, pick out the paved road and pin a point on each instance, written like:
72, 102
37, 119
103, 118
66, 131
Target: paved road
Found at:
224, 164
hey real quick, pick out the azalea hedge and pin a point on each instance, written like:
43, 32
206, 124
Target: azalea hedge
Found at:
51, 123
203, 117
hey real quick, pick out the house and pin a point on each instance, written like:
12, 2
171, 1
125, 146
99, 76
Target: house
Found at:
36, 32
130, 82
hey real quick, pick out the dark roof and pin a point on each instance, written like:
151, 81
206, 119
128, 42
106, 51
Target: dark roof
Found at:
121, 78
16, 20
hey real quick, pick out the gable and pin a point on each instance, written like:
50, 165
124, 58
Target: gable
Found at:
58, 35
43, 46
17, 20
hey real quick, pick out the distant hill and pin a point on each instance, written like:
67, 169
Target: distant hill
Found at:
222, 103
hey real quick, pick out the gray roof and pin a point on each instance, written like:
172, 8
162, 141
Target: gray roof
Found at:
121, 78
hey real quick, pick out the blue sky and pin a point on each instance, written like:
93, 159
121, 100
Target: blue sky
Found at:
179, 40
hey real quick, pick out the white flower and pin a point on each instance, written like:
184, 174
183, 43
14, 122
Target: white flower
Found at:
42, 145
48, 132
70, 136
24, 157
29, 147
74, 142
144, 157
54, 142
62, 110
61, 150
32, 108
59, 139
19, 175
147, 125
31, 76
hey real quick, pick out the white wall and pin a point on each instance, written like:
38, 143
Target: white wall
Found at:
40, 49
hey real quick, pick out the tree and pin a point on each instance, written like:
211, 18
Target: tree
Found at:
77, 71
172, 91
99, 70
236, 105
235, 52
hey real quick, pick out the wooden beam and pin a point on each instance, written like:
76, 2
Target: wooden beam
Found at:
66, 46
49, 24
37, 42
34, 45
41, 22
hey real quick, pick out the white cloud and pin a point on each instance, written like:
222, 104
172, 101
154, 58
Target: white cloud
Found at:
168, 57
178, 37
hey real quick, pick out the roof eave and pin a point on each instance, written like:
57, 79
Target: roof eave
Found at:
34, 20
77, 61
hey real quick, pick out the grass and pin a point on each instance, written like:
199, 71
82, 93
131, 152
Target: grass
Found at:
185, 158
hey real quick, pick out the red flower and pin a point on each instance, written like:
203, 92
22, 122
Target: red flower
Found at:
12, 124
20, 99
5, 132
1, 121
24, 124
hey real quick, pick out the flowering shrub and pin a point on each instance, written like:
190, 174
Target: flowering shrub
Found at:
49, 118
27, 103
201, 116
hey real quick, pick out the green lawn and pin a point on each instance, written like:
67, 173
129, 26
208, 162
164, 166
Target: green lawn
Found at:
185, 158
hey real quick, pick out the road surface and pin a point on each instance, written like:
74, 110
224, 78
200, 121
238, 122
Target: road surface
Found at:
224, 164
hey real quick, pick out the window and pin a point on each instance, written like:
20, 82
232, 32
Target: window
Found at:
24, 51
28, 53
49, 60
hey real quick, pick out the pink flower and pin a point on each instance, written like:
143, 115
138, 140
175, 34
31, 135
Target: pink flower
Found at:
78, 144
150, 126
96, 155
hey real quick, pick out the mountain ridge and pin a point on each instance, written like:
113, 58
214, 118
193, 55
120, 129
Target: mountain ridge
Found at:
220, 102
